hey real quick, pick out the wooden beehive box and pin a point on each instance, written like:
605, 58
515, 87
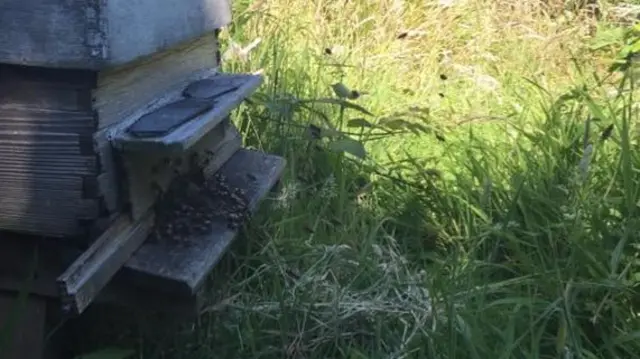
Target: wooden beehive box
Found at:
103, 105
73, 77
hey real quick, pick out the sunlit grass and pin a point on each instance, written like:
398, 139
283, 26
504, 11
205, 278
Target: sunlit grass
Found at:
505, 230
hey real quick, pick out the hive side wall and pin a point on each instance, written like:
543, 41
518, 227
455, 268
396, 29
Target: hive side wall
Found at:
52, 33
48, 166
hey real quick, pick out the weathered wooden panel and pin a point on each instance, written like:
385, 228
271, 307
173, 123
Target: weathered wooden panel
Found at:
92, 270
43, 182
47, 159
56, 33
131, 89
180, 267
95, 34
39, 120
143, 27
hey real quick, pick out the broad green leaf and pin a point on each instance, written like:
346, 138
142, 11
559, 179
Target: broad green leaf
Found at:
359, 122
418, 128
108, 353
339, 102
394, 123
341, 90
350, 146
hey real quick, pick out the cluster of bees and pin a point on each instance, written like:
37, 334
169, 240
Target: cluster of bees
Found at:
193, 206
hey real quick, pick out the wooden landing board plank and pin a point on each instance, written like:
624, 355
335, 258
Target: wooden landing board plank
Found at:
189, 133
181, 268
92, 270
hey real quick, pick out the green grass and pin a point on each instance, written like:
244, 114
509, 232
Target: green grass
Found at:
506, 227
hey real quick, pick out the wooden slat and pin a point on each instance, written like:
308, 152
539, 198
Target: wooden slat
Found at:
47, 160
25, 169
30, 181
187, 134
93, 269
40, 138
59, 127
17, 191
24, 160
39, 225
72, 121
8, 150
181, 267
22, 208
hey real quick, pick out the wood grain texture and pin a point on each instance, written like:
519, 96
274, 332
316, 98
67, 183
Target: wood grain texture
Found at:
187, 134
131, 89
181, 268
46, 154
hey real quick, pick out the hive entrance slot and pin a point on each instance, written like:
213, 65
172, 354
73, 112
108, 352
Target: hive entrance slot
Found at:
180, 266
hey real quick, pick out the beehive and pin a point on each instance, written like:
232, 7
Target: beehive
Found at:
80, 142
